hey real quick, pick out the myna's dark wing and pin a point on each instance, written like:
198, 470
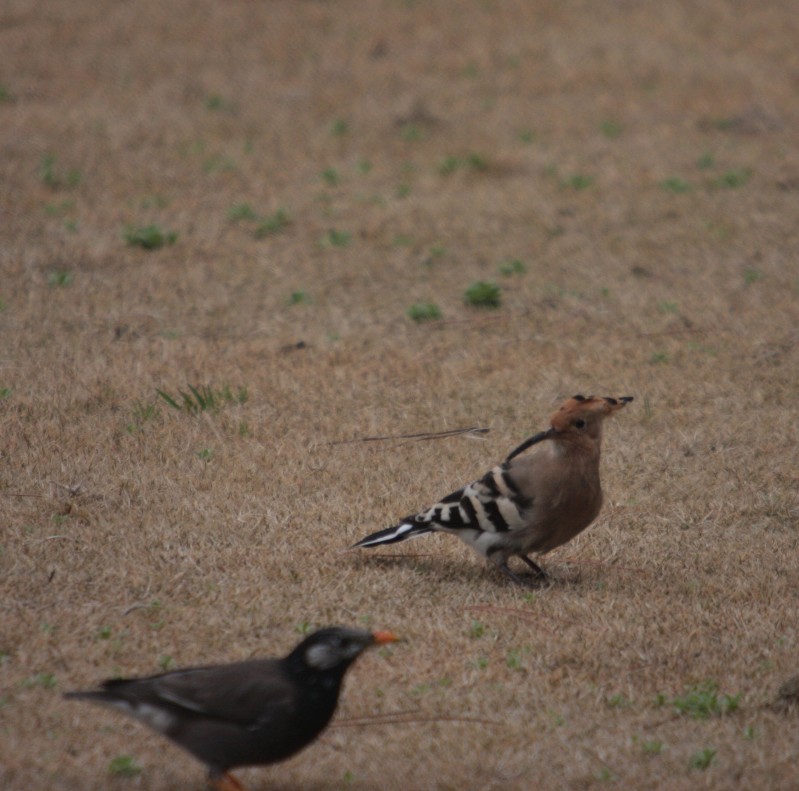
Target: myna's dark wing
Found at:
246, 693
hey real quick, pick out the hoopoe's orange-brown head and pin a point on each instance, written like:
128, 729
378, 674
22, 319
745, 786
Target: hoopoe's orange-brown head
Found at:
578, 423
583, 415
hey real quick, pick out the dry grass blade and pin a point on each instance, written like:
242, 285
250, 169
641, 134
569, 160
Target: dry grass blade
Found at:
412, 717
421, 436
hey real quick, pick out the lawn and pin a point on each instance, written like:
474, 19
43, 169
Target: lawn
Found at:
247, 248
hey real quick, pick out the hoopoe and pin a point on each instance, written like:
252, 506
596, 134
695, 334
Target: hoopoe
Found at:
527, 504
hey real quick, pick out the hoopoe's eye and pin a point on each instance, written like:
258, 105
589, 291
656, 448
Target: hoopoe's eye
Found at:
579, 423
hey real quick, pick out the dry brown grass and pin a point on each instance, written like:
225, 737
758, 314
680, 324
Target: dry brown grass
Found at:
687, 300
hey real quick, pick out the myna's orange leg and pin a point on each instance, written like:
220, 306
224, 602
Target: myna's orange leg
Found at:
226, 782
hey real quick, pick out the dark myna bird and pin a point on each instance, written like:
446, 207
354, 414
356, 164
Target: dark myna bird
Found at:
527, 504
246, 713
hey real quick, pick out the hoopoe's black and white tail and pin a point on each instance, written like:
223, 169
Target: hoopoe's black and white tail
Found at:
391, 535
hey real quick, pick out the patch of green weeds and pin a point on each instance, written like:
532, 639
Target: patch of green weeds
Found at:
402, 240
5, 392
206, 454
476, 629
437, 251
610, 129
699, 347
579, 181
204, 398
219, 163
330, 177
473, 162
336, 238
241, 211
124, 766
58, 208
703, 701
676, 185
705, 161
274, 223
527, 136
43, 680
142, 413
732, 179
724, 124
165, 662
104, 633
513, 659
6, 97
303, 627
449, 165
605, 774
364, 167
148, 237
702, 759
55, 178
619, 701
411, 132
483, 294
425, 687
557, 719
659, 357
216, 102
299, 298
471, 71
752, 276
667, 307
652, 747
59, 278
403, 190
424, 311
513, 266
339, 128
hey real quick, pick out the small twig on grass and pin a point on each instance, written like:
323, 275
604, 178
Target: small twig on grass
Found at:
423, 435
134, 607
409, 716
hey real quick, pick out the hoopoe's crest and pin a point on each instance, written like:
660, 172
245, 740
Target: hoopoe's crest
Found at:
580, 407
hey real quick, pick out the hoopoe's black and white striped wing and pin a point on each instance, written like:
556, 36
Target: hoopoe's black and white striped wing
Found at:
492, 504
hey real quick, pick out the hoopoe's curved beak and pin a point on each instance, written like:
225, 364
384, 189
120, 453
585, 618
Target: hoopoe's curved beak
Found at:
534, 440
